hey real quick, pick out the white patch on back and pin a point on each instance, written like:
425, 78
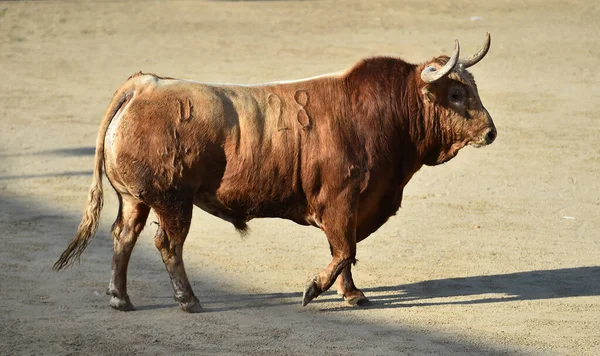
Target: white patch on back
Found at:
328, 75
111, 132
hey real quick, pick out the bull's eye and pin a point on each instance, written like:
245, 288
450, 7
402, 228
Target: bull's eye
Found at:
457, 95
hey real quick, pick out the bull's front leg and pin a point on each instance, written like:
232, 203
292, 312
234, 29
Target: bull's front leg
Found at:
339, 223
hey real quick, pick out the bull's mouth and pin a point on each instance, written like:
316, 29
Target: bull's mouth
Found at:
482, 141
452, 152
477, 144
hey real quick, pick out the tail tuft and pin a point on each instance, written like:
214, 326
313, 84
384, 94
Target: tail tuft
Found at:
85, 232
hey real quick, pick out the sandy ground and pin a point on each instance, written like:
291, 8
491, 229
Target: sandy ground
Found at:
526, 282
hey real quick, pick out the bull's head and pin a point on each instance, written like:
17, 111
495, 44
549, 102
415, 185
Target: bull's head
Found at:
454, 114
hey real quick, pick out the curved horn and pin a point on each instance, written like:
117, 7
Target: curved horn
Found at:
467, 62
430, 74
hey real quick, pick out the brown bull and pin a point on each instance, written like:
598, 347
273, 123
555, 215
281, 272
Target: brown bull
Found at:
333, 151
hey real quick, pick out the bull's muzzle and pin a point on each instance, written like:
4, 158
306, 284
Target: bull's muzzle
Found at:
490, 136
486, 138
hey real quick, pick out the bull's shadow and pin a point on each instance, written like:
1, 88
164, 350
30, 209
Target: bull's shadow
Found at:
500, 288
60, 152
47, 175
530, 285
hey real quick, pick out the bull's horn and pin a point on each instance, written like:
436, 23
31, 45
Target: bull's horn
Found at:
430, 74
467, 62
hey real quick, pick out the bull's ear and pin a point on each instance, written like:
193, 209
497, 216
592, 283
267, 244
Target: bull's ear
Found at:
428, 95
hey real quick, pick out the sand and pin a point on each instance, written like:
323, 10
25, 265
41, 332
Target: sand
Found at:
495, 252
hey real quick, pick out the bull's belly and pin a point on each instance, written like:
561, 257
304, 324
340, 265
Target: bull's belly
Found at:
240, 210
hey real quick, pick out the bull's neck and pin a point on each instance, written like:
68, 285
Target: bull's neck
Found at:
418, 131
383, 99
421, 119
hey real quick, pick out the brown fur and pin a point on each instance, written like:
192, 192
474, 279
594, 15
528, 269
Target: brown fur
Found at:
334, 152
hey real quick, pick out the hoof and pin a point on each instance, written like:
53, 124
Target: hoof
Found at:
311, 291
359, 300
192, 306
121, 304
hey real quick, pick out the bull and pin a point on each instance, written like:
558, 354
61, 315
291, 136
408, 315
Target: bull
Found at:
333, 151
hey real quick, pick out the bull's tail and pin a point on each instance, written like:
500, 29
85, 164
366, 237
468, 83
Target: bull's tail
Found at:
91, 214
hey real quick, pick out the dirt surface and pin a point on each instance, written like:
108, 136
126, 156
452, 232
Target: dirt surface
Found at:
494, 252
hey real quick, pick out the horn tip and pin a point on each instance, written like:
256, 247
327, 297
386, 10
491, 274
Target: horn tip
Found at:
488, 38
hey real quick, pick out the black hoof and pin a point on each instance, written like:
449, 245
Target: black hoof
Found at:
311, 291
192, 306
360, 301
121, 304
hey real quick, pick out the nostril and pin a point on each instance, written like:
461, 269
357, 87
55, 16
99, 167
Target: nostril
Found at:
491, 136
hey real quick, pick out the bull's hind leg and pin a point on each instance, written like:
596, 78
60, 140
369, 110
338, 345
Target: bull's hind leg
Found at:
126, 229
174, 224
